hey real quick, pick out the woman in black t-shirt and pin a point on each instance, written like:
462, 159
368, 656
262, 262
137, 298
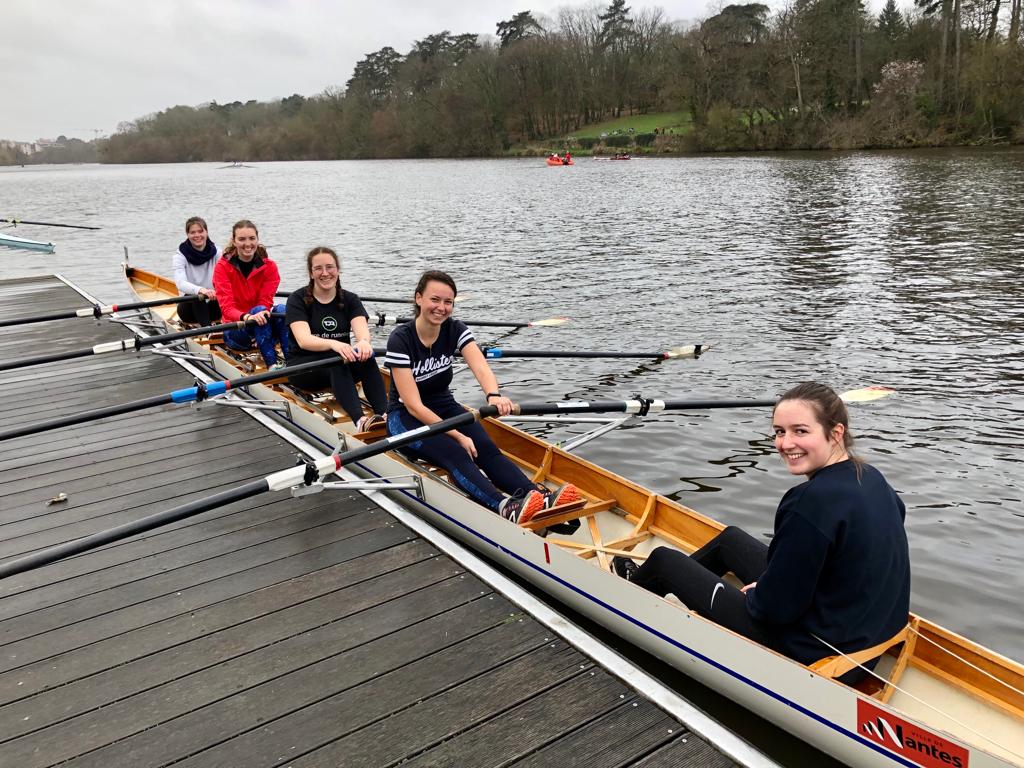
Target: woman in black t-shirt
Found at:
420, 355
322, 318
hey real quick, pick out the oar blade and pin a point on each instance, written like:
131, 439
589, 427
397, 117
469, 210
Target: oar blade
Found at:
866, 394
550, 322
690, 350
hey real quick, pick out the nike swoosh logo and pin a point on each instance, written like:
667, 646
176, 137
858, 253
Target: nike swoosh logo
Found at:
714, 592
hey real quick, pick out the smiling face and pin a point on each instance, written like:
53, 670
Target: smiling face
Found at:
245, 240
323, 271
436, 302
801, 440
197, 235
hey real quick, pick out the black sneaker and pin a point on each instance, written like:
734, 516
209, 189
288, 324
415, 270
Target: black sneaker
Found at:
625, 568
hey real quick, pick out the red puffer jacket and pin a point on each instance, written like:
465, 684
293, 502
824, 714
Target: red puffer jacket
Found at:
238, 295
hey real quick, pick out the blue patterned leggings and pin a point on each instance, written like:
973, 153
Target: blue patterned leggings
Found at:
482, 477
265, 336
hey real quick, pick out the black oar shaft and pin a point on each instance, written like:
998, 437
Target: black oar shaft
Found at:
45, 224
493, 353
640, 406
187, 395
97, 310
123, 345
84, 544
278, 481
8, 365
84, 416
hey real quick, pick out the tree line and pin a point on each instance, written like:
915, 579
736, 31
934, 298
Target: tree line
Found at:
813, 74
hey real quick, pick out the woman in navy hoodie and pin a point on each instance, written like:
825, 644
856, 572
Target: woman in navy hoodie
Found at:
838, 566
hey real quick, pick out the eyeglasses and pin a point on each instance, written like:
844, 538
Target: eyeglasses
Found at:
325, 268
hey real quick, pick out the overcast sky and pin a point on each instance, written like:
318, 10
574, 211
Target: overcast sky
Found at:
80, 67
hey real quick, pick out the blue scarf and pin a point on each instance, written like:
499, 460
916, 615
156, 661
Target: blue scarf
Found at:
197, 258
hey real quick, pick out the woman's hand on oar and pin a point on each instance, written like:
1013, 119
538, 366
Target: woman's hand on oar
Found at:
304, 474
135, 343
97, 311
16, 222
383, 319
693, 350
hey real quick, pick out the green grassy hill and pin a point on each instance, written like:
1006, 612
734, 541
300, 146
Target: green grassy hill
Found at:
676, 122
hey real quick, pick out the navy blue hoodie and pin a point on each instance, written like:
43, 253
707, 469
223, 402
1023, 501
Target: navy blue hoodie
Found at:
838, 565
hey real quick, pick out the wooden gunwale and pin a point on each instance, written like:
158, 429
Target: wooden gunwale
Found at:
654, 516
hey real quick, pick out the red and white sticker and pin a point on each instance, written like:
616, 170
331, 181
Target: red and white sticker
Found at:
907, 739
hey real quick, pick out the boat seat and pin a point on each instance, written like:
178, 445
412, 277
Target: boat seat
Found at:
837, 666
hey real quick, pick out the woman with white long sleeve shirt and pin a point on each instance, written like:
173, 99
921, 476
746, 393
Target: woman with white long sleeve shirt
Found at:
193, 265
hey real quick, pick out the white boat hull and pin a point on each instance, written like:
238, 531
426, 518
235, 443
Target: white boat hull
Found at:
840, 721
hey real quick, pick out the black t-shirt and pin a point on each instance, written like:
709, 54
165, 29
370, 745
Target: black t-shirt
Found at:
431, 366
328, 321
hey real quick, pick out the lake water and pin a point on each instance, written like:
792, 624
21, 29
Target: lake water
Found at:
891, 268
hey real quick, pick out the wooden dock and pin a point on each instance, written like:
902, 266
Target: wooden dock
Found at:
312, 631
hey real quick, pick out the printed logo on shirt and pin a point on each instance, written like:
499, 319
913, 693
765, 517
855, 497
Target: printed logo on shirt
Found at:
908, 739
329, 324
424, 369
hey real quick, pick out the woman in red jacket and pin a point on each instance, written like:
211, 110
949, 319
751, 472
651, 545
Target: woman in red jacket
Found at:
245, 280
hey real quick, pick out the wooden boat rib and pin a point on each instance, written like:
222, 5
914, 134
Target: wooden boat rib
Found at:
13, 241
941, 699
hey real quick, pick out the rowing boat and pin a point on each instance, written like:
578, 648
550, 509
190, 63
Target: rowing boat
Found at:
13, 241
938, 699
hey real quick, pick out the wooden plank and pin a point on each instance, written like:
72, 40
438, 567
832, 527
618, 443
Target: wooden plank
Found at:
142, 711
305, 613
498, 696
212, 608
167, 549
151, 599
686, 751
347, 690
621, 736
237, 516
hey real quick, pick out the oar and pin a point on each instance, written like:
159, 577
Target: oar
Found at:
16, 222
693, 350
97, 311
303, 474
642, 405
135, 343
379, 299
194, 394
313, 470
383, 319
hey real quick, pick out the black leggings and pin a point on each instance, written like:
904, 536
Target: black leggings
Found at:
202, 312
697, 582
342, 381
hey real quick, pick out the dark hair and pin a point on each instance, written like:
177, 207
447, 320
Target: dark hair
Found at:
245, 224
829, 409
196, 220
431, 275
307, 297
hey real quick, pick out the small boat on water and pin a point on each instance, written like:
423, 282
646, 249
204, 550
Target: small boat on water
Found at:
614, 157
12, 241
937, 699
555, 160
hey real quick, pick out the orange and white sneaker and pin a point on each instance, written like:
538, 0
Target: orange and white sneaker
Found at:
567, 493
521, 509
